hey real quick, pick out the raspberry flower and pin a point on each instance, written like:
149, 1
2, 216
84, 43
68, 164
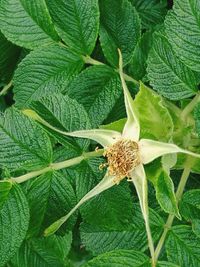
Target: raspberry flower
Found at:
126, 154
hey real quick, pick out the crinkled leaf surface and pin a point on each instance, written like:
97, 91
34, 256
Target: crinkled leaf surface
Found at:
14, 220
23, 143
197, 118
167, 74
77, 22
43, 252
183, 31
186, 245
43, 72
20, 27
119, 28
97, 88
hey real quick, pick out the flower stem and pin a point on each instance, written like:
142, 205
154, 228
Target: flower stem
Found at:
189, 108
179, 193
6, 88
58, 166
89, 60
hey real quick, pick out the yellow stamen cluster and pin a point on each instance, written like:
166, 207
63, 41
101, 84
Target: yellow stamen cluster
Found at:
123, 157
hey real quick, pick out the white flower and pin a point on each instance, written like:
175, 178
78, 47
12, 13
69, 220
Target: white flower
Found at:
126, 154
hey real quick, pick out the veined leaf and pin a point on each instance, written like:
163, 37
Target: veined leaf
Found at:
65, 114
77, 23
186, 244
167, 74
44, 71
152, 12
97, 88
14, 219
120, 258
8, 58
20, 28
197, 118
5, 187
119, 28
183, 31
23, 143
155, 119
103, 239
43, 252
50, 196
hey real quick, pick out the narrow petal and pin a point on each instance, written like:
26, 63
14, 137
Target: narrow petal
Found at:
132, 126
105, 183
150, 150
101, 136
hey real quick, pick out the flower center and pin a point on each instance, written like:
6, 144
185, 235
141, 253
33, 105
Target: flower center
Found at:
123, 157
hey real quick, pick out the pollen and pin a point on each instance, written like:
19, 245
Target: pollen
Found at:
123, 157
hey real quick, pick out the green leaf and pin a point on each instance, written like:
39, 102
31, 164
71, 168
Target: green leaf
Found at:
138, 64
97, 88
197, 118
167, 74
77, 23
190, 208
119, 28
43, 252
38, 11
5, 187
8, 58
23, 143
103, 239
50, 196
155, 120
180, 23
120, 258
65, 114
14, 219
22, 29
152, 12
165, 194
166, 264
186, 245
44, 71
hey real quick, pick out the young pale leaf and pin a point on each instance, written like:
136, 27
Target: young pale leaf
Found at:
183, 31
97, 88
152, 12
14, 220
187, 246
43, 252
132, 236
155, 120
197, 118
167, 74
77, 22
120, 258
23, 143
44, 71
65, 114
20, 28
119, 28
8, 58
50, 196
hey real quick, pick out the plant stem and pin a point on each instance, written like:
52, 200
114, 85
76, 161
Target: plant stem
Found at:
179, 192
189, 108
89, 60
58, 166
6, 88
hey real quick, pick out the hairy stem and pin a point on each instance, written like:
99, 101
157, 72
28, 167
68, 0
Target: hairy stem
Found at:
89, 60
58, 166
179, 193
189, 108
6, 88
